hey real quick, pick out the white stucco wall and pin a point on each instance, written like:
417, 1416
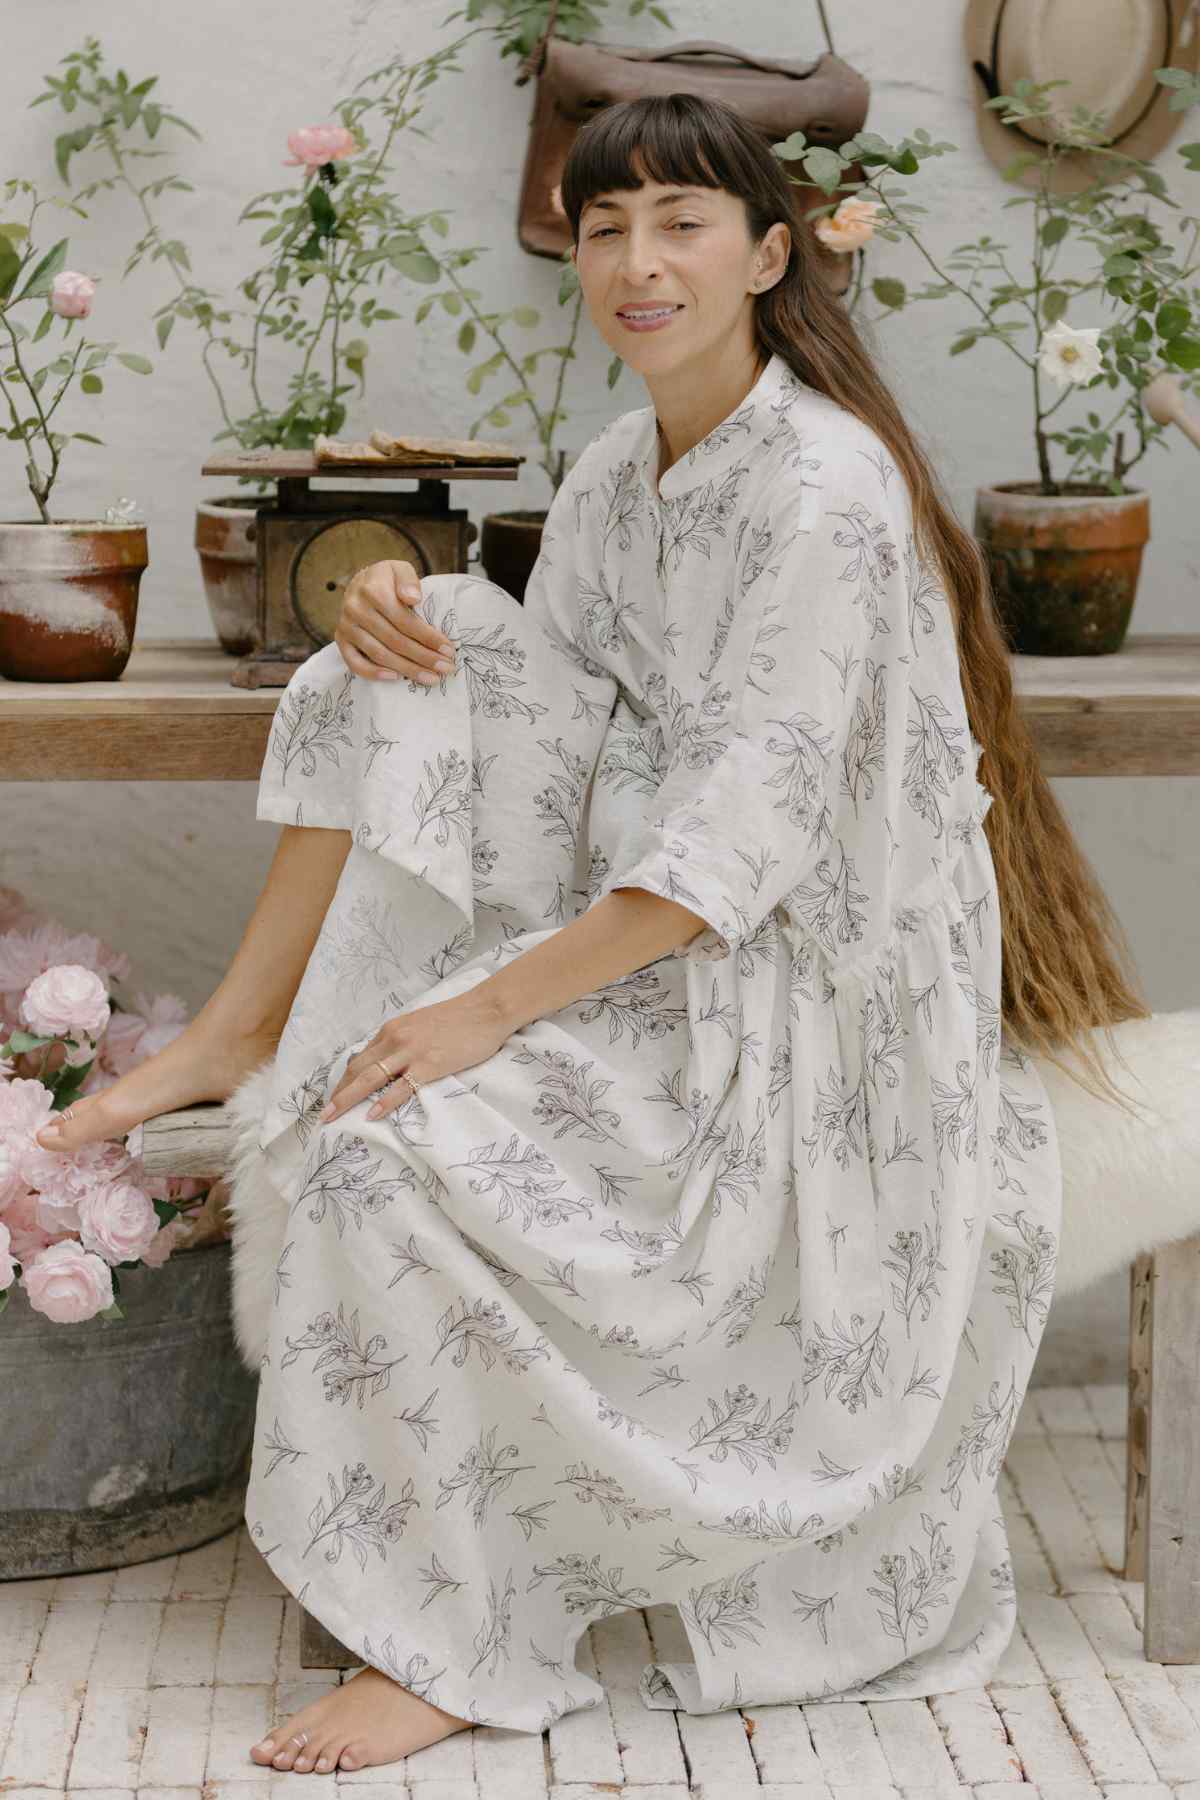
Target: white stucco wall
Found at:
170, 871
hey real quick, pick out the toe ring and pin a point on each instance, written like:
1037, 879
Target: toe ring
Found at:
300, 1738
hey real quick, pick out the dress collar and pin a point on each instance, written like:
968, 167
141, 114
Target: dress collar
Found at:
755, 418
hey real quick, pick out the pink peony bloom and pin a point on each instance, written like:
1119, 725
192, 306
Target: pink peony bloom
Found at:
68, 1284
68, 1001
35, 945
117, 1221
71, 294
25, 1106
12, 1181
161, 1246
8, 1267
312, 145
75, 1175
142, 1031
28, 1236
850, 226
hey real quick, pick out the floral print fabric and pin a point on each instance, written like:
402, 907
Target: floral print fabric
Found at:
723, 1284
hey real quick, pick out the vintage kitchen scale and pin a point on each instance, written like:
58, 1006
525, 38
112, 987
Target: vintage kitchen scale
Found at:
310, 542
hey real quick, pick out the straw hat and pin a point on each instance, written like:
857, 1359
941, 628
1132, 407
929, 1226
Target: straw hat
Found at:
1107, 49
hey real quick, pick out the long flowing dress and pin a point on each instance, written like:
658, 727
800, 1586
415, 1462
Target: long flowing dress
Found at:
721, 1285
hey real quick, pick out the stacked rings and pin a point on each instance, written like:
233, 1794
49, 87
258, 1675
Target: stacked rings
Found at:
403, 1076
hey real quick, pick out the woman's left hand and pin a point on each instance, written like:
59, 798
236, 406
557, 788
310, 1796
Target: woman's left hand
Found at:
439, 1039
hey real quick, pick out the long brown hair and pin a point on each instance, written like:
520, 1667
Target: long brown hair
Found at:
1062, 944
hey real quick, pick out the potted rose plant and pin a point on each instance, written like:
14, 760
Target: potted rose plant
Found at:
112, 1282
68, 587
1065, 546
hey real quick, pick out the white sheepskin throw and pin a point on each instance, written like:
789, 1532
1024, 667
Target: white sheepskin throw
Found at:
1129, 1183
257, 1213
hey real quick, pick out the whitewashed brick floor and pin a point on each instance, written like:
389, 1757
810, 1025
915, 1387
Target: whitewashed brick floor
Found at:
154, 1680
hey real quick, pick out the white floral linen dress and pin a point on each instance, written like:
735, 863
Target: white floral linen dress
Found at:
721, 1285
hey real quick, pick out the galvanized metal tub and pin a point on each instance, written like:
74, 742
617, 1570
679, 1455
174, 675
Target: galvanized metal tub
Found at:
126, 1440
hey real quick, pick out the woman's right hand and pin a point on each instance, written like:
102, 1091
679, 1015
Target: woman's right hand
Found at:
380, 633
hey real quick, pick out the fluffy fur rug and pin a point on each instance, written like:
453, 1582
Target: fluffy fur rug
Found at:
1129, 1183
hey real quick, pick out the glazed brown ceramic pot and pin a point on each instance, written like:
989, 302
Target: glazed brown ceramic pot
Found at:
508, 548
1064, 566
226, 532
68, 598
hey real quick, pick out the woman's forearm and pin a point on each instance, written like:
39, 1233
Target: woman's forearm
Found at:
626, 930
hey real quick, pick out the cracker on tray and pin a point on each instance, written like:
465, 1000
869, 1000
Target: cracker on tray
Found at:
386, 446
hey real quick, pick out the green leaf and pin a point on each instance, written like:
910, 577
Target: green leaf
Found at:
10, 266
418, 265
888, 291
1182, 352
1191, 155
1120, 264
526, 315
466, 336
1055, 229
43, 275
85, 437
964, 342
356, 350
1173, 316
825, 168
1054, 304
141, 365
162, 327
91, 384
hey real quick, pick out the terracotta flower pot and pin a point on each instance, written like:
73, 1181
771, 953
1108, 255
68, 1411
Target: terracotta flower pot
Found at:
508, 548
68, 598
226, 533
1064, 566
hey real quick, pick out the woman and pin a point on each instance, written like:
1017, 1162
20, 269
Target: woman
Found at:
674, 1217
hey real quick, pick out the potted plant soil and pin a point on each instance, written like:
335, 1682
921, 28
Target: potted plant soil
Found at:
68, 587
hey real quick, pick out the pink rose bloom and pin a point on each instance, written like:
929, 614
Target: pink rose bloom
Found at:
68, 1284
850, 226
28, 1236
161, 1245
117, 1221
67, 1001
71, 294
312, 145
8, 1267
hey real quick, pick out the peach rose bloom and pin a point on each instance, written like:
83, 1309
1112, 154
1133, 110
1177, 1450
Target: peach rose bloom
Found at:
71, 294
850, 226
312, 145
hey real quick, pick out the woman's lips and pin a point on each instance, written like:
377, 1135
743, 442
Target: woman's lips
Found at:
637, 322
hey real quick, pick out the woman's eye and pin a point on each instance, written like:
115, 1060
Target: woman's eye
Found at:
688, 224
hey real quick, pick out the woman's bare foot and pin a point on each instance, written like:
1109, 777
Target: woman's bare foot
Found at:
371, 1719
197, 1065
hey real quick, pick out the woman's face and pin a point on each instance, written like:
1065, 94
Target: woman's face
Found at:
687, 248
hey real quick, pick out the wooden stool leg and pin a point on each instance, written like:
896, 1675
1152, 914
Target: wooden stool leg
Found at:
1172, 1623
319, 1649
1138, 1415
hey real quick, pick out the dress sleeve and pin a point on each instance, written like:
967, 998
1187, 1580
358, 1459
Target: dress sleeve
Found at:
781, 736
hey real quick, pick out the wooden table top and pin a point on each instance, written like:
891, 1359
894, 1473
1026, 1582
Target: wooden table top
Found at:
175, 716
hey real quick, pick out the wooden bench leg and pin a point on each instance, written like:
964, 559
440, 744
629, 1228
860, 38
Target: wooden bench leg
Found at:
1138, 1419
1172, 1519
319, 1649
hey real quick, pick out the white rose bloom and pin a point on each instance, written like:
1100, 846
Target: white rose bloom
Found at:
1070, 356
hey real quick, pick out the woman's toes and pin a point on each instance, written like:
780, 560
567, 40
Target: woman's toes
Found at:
285, 1757
351, 1757
263, 1752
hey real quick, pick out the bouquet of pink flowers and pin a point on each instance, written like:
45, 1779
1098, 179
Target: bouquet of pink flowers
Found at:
69, 1220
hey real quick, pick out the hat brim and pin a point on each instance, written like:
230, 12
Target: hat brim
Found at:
1073, 170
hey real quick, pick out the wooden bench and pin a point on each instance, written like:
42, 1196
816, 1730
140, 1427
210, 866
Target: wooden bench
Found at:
1162, 1465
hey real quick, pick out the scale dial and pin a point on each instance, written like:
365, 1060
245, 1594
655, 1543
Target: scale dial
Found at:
323, 566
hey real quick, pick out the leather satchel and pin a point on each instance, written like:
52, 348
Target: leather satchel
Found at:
825, 98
